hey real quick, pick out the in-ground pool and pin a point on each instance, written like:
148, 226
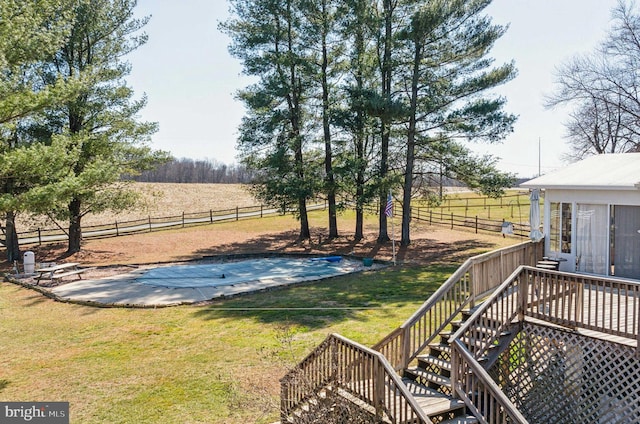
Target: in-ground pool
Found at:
248, 270
202, 282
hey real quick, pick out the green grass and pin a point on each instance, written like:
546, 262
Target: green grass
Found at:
216, 364
514, 206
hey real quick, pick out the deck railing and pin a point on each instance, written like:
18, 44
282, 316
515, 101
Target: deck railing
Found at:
478, 276
607, 305
339, 364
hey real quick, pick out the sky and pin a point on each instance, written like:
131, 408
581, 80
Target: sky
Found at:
190, 79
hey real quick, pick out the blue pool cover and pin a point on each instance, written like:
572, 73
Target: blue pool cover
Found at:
231, 273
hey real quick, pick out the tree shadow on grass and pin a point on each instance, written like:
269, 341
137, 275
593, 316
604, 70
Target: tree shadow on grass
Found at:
319, 304
421, 251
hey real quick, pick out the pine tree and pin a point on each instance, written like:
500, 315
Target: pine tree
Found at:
100, 122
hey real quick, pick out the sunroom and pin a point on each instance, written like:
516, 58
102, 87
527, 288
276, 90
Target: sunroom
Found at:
592, 215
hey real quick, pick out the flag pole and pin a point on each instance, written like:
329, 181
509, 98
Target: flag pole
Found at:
393, 240
388, 210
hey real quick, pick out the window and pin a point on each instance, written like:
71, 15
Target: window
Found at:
554, 228
560, 228
566, 228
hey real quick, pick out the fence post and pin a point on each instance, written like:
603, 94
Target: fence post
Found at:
182, 219
149, 223
476, 224
117, 229
261, 211
452, 220
39, 237
489, 211
211, 215
237, 214
430, 217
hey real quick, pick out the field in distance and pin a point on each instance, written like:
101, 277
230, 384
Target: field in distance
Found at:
164, 200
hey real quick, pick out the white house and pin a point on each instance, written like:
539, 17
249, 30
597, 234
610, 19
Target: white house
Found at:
592, 215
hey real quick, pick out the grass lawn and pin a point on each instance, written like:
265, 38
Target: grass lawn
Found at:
219, 363
215, 364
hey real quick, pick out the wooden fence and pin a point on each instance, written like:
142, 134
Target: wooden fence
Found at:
149, 224
449, 219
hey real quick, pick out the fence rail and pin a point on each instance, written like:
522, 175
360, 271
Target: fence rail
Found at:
150, 224
439, 217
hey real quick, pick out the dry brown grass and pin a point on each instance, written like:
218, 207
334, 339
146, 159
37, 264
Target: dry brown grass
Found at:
429, 243
163, 199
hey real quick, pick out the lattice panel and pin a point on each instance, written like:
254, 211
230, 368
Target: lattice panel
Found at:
332, 408
557, 376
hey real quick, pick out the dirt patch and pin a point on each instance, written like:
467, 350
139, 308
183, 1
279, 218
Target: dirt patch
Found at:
113, 255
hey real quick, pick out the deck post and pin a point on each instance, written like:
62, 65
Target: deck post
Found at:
378, 387
523, 285
406, 348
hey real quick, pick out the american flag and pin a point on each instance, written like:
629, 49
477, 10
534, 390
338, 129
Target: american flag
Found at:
388, 210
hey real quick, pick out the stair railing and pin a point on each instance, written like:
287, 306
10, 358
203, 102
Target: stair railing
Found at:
477, 277
495, 315
480, 393
341, 365
606, 305
475, 338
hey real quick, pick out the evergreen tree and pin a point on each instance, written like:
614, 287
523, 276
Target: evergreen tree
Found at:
29, 32
101, 121
273, 136
448, 75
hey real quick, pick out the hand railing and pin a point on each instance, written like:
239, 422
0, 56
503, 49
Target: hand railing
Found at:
602, 304
342, 366
473, 280
484, 398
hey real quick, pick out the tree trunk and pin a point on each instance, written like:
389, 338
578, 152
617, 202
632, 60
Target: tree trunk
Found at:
305, 233
383, 234
75, 228
411, 147
328, 160
11, 237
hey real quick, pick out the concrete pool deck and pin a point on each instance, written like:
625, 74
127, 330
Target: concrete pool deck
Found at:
140, 288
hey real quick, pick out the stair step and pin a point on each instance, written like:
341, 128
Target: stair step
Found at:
440, 347
441, 363
429, 376
432, 402
467, 419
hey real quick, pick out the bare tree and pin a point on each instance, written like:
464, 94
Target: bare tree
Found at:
603, 90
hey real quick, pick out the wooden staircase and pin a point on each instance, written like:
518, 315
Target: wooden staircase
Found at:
420, 350
430, 380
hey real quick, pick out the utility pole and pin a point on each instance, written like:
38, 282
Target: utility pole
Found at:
539, 160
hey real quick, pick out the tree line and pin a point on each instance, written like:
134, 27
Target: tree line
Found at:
187, 170
361, 99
